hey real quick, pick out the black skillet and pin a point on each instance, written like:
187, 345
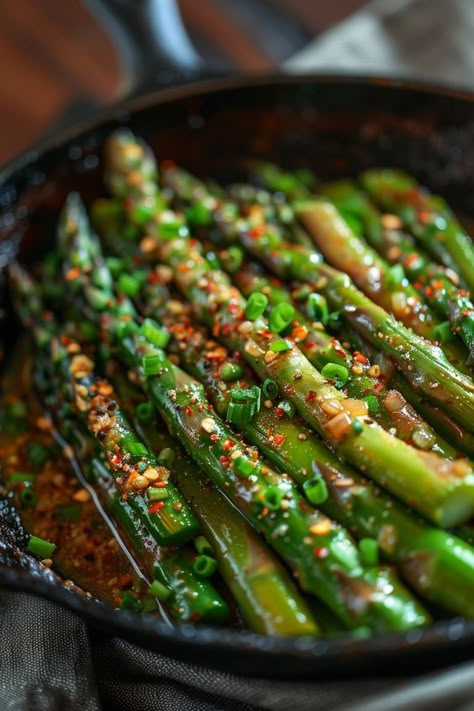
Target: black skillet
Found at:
336, 125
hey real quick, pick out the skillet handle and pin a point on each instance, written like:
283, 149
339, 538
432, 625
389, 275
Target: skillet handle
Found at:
152, 43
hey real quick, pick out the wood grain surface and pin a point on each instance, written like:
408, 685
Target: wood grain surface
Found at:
57, 62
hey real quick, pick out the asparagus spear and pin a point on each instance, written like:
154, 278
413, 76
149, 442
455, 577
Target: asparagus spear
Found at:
427, 556
438, 285
383, 285
441, 490
260, 585
427, 216
188, 597
326, 564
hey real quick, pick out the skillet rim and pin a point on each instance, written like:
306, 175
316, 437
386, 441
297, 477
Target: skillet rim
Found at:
340, 658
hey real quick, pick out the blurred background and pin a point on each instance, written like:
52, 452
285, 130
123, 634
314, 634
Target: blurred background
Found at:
61, 59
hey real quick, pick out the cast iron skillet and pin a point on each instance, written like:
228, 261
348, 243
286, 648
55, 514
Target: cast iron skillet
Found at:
338, 127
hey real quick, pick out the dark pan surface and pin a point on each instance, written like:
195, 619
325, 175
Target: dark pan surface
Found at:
337, 127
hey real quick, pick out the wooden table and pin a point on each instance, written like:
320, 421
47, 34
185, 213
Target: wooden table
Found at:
53, 54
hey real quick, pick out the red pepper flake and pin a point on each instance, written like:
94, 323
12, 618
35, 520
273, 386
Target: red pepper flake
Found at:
360, 357
224, 459
228, 444
188, 410
279, 412
153, 278
127, 318
156, 507
310, 396
73, 273
257, 231
125, 581
321, 552
424, 217
214, 437
279, 439
411, 259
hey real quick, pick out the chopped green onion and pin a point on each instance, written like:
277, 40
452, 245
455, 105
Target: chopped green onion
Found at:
171, 229
28, 496
395, 276
198, 214
158, 590
141, 212
145, 412
40, 547
272, 498
102, 278
130, 602
203, 546
231, 371
256, 305
318, 308
357, 426
153, 333
155, 494
339, 374
353, 222
316, 490
281, 317
125, 329
280, 345
205, 566
212, 259
270, 389
115, 266
22, 478
442, 332
152, 364
243, 466
372, 403
369, 551
244, 404
166, 457
132, 446
129, 285
232, 259
69, 512
287, 407
37, 455
97, 298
